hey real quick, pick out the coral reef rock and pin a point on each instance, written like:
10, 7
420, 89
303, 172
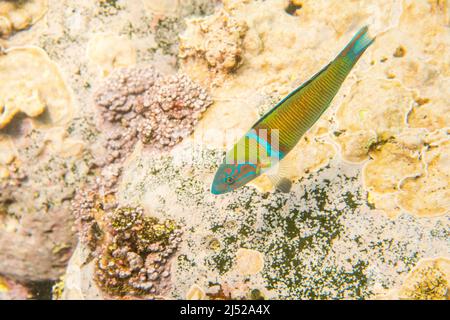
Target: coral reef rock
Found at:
114, 116
40, 164
429, 280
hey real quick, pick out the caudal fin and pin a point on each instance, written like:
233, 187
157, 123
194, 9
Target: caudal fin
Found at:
360, 42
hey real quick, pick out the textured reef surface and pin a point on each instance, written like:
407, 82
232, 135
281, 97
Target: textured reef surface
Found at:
114, 115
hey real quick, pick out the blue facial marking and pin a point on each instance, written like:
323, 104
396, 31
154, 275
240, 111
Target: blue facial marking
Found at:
266, 145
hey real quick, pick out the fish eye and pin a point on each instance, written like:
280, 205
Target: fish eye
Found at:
229, 180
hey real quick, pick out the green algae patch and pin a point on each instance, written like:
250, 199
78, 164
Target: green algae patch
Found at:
319, 241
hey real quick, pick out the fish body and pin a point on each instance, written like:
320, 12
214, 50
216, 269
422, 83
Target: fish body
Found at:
273, 136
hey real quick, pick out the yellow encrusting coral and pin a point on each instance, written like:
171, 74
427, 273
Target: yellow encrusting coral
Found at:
30, 103
215, 42
355, 145
391, 163
195, 292
9, 152
433, 110
430, 280
374, 106
413, 164
404, 112
31, 83
432, 186
19, 15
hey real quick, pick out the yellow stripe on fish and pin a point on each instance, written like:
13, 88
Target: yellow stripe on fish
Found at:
279, 130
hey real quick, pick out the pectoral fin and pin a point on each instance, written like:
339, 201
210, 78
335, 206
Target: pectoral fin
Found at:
277, 175
281, 183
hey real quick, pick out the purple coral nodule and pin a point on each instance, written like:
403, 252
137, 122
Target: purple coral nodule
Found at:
161, 109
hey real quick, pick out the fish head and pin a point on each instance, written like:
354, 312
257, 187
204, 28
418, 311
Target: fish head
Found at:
229, 177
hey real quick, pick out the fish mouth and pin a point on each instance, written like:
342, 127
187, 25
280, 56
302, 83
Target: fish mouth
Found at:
216, 185
216, 191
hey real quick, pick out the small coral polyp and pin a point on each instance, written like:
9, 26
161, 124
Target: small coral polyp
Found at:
160, 110
135, 260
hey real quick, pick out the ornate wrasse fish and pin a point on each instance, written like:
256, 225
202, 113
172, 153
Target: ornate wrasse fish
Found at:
278, 131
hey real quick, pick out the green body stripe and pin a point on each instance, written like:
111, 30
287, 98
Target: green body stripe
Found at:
296, 114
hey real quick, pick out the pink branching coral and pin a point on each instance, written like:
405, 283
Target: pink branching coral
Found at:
160, 110
174, 108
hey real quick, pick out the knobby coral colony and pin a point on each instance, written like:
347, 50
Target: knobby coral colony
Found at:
133, 251
18, 15
160, 110
432, 287
88, 210
136, 260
